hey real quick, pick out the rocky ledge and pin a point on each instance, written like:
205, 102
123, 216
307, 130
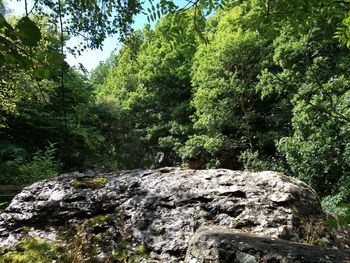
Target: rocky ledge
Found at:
217, 245
152, 215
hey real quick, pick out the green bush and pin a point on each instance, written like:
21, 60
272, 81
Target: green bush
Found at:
335, 206
11, 157
338, 204
43, 166
252, 162
18, 166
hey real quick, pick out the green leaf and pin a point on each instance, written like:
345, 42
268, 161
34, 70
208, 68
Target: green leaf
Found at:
28, 32
9, 58
2, 59
13, 57
5, 43
42, 72
55, 58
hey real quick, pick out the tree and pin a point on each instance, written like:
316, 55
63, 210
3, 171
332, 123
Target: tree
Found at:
230, 116
151, 83
36, 112
310, 69
340, 13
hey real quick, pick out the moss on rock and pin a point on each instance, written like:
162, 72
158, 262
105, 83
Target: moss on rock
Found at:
33, 250
99, 219
89, 182
127, 254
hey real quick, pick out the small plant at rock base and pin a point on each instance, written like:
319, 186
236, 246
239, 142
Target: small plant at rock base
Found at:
140, 250
339, 206
80, 243
312, 231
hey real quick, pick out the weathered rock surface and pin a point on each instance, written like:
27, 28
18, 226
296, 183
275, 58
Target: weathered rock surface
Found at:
162, 209
219, 245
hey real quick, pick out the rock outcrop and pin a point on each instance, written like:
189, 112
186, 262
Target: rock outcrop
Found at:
218, 245
160, 210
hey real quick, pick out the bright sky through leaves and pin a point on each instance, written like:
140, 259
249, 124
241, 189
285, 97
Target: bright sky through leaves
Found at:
89, 58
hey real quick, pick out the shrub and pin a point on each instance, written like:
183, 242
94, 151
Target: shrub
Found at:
11, 157
43, 166
251, 161
338, 204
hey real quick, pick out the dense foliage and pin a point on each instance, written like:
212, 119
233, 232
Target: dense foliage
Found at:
266, 90
259, 85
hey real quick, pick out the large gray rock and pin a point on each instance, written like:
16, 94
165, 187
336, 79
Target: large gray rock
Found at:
217, 245
162, 209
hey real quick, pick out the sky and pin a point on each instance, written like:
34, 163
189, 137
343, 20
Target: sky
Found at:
89, 58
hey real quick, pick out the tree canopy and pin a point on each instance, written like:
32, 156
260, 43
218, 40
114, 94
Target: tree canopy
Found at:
251, 85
